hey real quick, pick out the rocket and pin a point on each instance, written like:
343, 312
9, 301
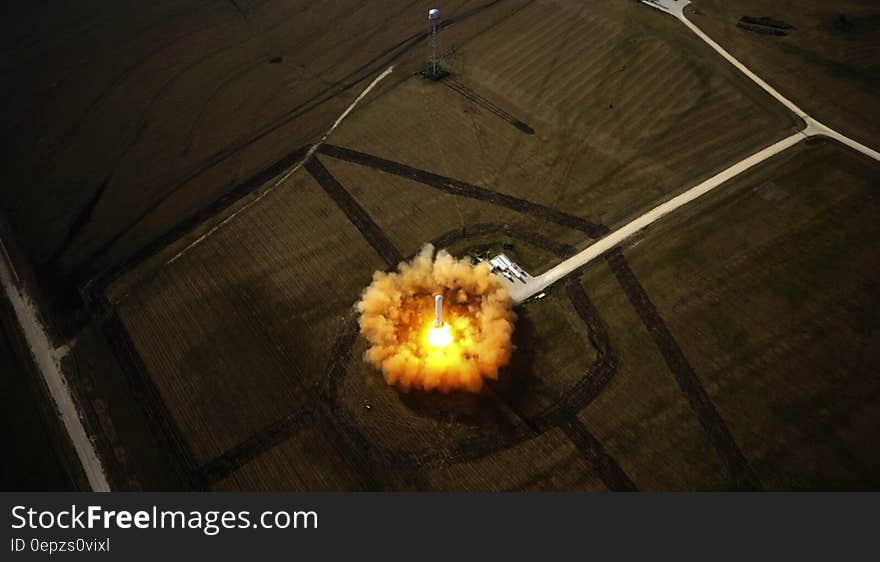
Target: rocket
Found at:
438, 311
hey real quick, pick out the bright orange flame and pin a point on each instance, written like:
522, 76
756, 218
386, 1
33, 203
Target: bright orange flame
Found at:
471, 346
439, 337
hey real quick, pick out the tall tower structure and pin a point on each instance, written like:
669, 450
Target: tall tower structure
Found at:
434, 43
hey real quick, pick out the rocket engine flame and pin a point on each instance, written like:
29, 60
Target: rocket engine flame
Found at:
439, 337
400, 313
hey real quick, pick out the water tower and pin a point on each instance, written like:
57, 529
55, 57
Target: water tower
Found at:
434, 43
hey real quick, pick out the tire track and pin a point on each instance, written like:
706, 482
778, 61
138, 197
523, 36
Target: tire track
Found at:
355, 213
612, 475
601, 372
95, 289
128, 71
81, 219
490, 106
196, 124
484, 229
463, 189
267, 438
741, 474
242, 12
149, 396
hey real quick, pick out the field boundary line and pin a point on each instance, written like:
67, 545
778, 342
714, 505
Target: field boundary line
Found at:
287, 174
356, 214
48, 363
465, 189
741, 474
610, 471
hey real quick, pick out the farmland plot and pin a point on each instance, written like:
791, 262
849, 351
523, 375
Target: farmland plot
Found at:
770, 287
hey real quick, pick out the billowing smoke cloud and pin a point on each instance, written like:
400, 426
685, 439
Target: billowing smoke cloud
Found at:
397, 311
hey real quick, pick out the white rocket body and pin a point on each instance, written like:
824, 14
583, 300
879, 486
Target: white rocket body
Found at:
438, 311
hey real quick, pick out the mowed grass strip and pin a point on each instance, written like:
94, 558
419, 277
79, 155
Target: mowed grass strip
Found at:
236, 332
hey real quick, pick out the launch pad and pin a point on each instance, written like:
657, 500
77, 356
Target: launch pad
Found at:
514, 278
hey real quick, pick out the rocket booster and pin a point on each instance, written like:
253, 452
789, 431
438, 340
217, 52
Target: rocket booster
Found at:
438, 311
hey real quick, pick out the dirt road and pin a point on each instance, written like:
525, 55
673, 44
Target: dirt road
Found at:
47, 360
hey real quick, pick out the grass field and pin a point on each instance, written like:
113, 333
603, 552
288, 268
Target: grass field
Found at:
125, 120
770, 287
829, 63
626, 107
243, 322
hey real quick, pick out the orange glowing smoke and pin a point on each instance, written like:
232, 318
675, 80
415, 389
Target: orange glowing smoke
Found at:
397, 311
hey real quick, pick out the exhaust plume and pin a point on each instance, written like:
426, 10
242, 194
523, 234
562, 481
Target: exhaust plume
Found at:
397, 314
